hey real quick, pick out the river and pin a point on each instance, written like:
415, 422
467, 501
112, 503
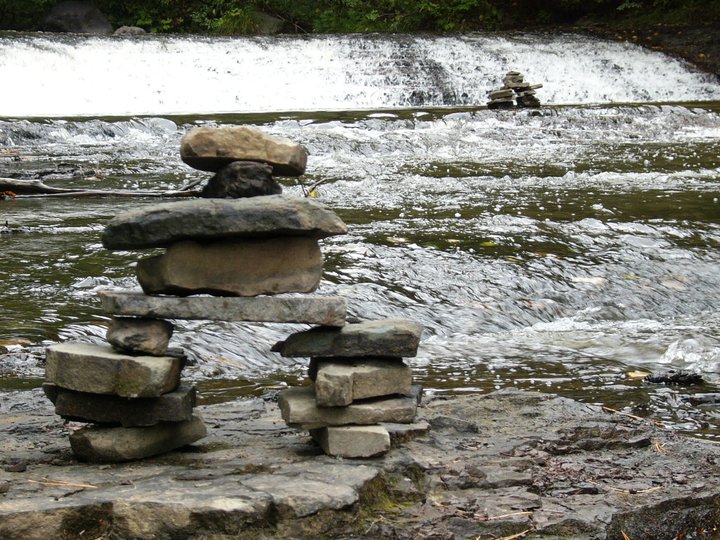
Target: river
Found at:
562, 249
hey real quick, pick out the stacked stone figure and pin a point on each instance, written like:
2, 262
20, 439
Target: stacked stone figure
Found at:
360, 382
514, 87
248, 250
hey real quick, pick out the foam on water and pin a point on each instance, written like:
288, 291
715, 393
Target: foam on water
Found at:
62, 75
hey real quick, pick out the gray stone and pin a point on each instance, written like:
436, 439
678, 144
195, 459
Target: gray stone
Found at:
174, 406
325, 310
340, 383
100, 370
210, 149
241, 179
529, 467
234, 267
353, 441
216, 219
500, 93
129, 31
299, 409
389, 337
402, 433
115, 444
140, 335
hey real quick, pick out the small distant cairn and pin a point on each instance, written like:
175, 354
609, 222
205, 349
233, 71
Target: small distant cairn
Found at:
244, 247
514, 88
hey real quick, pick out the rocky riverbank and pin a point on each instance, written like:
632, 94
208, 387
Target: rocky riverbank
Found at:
506, 465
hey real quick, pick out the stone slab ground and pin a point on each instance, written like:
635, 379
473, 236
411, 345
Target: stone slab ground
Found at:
490, 466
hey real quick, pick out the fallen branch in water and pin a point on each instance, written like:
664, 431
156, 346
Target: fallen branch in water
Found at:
36, 188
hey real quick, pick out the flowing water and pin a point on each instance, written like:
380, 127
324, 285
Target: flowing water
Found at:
561, 249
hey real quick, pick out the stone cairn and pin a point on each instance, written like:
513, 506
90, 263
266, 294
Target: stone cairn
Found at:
243, 247
514, 86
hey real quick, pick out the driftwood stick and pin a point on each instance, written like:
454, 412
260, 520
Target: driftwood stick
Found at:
36, 188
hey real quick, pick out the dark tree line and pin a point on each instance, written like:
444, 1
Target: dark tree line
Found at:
318, 16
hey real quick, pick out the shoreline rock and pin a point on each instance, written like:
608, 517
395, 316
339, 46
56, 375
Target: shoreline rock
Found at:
550, 466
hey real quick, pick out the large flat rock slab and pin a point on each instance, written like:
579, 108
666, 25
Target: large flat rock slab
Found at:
212, 148
324, 310
300, 409
114, 444
490, 466
216, 219
234, 267
176, 406
98, 369
392, 338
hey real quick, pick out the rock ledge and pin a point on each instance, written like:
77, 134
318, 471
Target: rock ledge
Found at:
493, 465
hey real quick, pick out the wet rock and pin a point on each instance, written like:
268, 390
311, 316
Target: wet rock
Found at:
139, 335
241, 179
325, 310
115, 444
17, 466
390, 337
299, 409
129, 31
100, 370
340, 383
210, 149
237, 267
675, 377
76, 16
176, 406
221, 219
353, 441
254, 476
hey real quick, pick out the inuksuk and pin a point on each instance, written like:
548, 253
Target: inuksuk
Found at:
241, 253
361, 386
514, 86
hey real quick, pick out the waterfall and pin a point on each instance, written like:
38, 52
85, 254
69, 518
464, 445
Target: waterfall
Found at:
54, 75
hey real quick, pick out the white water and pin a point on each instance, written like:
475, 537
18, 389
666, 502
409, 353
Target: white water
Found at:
60, 76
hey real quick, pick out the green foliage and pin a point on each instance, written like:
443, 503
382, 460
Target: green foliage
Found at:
23, 15
241, 16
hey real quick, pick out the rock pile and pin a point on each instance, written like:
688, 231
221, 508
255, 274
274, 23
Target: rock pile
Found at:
360, 382
246, 246
514, 86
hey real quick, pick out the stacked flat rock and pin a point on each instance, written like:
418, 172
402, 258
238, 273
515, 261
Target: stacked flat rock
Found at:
514, 88
235, 249
361, 385
132, 398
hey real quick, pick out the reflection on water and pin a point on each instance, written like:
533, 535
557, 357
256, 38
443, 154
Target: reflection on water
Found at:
558, 251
